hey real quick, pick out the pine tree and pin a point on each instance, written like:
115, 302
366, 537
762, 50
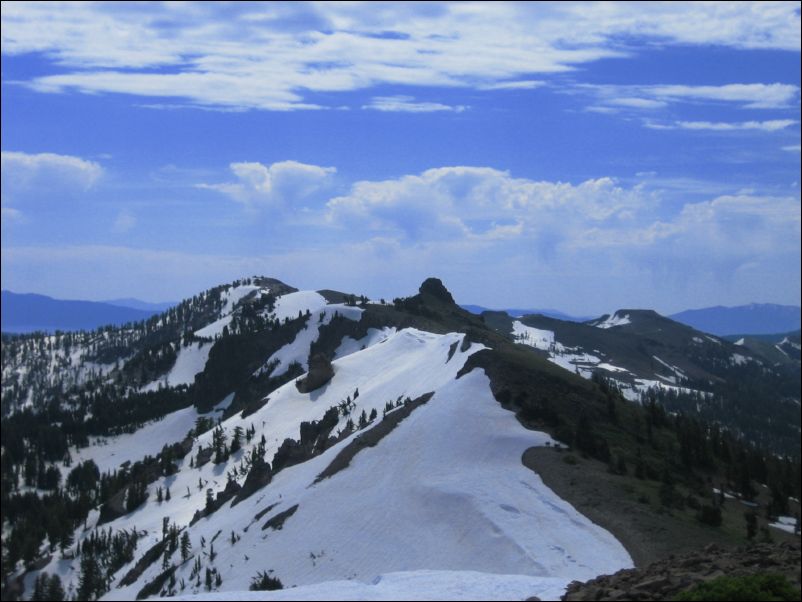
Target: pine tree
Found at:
40, 587
186, 546
236, 441
90, 583
55, 590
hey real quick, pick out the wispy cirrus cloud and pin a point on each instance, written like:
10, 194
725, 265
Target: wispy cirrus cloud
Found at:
273, 56
407, 104
612, 98
750, 96
772, 125
527, 84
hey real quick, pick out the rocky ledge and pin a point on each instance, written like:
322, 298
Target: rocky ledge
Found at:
667, 578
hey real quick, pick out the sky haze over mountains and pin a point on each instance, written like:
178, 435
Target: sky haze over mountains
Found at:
579, 156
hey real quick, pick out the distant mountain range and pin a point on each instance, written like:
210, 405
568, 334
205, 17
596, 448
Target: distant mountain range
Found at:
31, 312
517, 313
756, 318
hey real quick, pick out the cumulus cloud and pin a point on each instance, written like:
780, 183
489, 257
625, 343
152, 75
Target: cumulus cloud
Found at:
484, 202
25, 176
592, 233
275, 185
22, 171
272, 55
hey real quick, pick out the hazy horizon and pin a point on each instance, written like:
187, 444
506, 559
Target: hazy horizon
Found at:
582, 157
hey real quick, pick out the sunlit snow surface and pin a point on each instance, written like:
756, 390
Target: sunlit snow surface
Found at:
190, 361
412, 585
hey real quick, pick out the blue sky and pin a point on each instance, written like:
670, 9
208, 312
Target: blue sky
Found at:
578, 156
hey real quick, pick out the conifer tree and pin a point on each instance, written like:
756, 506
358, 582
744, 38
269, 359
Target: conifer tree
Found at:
186, 546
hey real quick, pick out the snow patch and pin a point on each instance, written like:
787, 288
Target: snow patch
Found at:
534, 337
191, 360
374, 336
613, 321
738, 359
298, 350
786, 523
214, 329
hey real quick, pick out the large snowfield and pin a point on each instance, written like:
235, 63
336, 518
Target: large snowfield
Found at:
412, 585
441, 508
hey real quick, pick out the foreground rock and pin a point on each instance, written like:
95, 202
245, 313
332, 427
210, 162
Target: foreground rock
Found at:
665, 579
320, 372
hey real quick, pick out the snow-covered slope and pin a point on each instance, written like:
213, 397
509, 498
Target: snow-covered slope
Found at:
188, 363
579, 361
444, 491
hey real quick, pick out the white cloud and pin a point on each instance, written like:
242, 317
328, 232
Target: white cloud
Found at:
275, 185
792, 148
771, 125
407, 104
479, 202
752, 96
27, 176
528, 84
634, 102
591, 235
747, 96
275, 56
23, 170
